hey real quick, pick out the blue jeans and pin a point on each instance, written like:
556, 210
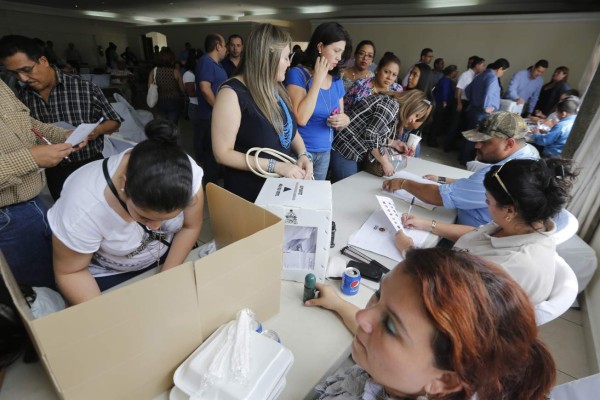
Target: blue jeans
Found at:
320, 164
26, 241
170, 109
341, 167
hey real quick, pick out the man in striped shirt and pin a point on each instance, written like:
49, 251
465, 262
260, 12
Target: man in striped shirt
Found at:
53, 96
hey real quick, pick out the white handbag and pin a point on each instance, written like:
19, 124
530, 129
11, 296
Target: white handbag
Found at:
152, 96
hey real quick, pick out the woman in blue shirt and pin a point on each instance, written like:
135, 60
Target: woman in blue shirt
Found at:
317, 92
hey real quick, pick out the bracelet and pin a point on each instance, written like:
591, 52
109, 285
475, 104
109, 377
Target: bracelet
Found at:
307, 154
271, 166
433, 225
402, 184
441, 179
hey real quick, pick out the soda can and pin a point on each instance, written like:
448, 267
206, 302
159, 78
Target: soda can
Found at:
350, 281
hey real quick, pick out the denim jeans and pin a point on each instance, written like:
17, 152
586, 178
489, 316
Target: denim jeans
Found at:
26, 241
341, 167
320, 164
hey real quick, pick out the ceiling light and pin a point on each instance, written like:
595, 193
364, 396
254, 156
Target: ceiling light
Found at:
262, 11
450, 3
144, 19
212, 18
316, 9
100, 14
179, 20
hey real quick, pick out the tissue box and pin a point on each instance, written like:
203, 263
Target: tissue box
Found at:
511, 106
127, 343
305, 206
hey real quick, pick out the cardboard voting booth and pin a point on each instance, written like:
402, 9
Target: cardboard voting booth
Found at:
306, 208
126, 344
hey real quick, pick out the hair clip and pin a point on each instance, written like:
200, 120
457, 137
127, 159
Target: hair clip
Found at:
427, 102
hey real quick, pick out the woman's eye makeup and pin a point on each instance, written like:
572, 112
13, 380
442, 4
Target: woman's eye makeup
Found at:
389, 326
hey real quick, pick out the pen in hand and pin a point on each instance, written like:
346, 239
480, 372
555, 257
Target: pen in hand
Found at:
410, 207
43, 139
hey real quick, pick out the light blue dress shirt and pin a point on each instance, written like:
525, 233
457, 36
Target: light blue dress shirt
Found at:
522, 86
484, 91
467, 195
555, 139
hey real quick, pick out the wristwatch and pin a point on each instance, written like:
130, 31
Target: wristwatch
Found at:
307, 154
441, 179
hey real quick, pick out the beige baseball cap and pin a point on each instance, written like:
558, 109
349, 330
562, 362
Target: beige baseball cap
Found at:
501, 124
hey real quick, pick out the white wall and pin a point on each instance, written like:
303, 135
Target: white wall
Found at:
565, 39
86, 34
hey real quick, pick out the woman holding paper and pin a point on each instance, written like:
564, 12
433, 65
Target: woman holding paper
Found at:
374, 123
522, 196
443, 325
129, 213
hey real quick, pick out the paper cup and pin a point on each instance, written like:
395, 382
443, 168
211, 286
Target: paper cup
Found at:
412, 143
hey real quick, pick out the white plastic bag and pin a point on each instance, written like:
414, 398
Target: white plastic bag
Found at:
152, 96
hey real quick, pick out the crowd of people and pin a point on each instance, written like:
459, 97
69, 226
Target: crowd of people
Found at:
445, 323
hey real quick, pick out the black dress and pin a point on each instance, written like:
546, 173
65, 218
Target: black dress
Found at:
549, 97
255, 131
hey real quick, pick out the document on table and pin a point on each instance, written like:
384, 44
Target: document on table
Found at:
404, 195
81, 132
378, 235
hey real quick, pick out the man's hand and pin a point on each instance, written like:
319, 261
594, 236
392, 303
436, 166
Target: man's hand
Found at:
46, 156
520, 101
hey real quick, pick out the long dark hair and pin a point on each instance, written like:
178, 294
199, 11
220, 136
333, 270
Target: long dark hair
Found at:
159, 172
327, 33
425, 83
485, 327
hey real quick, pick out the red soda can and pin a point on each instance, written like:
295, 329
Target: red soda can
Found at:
350, 281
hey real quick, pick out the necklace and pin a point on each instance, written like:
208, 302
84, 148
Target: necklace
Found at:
286, 136
365, 74
328, 109
148, 236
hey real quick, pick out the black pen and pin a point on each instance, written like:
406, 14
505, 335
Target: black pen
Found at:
410, 207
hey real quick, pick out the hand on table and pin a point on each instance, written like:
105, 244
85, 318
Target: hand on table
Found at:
392, 185
328, 298
430, 177
388, 168
403, 241
289, 170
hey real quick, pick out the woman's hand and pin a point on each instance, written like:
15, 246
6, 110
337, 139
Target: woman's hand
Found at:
388, 168
328, 298
338, 121
414, 222
403, 241
399, 146
392, 185
321, 70
289, 170
306, 165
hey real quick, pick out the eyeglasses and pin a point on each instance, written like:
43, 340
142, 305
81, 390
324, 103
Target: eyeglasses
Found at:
495, 175
364, 54
27, 71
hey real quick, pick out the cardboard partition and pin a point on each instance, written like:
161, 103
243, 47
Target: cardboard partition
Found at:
126, 344
306, 207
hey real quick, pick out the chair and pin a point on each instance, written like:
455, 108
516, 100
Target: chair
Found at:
566, 226
562, 296
581, 389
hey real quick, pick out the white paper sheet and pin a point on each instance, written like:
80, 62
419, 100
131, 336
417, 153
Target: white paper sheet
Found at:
81, 132
404, 195
389, 208
378, 235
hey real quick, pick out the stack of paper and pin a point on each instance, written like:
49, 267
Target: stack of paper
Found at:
404, 195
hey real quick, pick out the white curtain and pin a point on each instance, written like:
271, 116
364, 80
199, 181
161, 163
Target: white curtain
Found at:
590, 69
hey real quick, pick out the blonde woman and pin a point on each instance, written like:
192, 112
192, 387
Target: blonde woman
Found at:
374, 121
253, 110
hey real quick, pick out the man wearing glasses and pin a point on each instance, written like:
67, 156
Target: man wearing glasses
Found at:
498, 138
53, 96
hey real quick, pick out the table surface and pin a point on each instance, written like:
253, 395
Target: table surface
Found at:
317, 337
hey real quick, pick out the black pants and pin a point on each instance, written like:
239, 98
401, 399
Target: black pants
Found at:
56, 176
204, 153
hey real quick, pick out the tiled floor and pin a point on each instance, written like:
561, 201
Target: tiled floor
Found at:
564, 335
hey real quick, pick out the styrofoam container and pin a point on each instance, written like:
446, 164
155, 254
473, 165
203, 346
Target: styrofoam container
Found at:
269, 363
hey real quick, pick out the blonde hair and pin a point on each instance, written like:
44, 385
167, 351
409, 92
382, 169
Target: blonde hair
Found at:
411, 102
259, 66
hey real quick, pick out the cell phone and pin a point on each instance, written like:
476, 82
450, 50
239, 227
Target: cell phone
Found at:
367, 271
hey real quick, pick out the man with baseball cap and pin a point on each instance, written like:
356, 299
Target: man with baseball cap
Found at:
498, 138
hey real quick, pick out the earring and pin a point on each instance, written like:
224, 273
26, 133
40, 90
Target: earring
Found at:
423, 397
122, 189
508, 219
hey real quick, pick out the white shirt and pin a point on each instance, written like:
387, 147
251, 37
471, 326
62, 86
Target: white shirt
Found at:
188, 77
529, 259
465, 79
84, 222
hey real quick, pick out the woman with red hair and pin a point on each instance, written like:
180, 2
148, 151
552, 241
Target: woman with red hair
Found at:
443, 325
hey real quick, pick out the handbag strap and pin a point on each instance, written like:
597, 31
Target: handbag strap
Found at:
154, 79
113, 189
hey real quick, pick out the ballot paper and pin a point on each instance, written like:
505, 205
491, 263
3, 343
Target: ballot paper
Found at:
81, 132
404, 195
388, 206
378, 235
